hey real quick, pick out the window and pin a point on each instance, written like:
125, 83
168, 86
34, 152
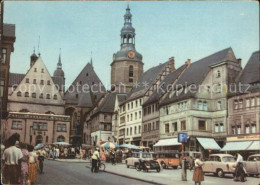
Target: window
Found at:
128, 106
241, 104
140, 114
199, 105
35, 69
55, 97
48, 96
48, 82
252, 102
149, 127
216, 127
141, 102
107, 127
4, 53
145, 128
183, 125
253, 128
233, 130
127, 131
39, 126
131, 71
247, 129
221, 125
235, 104
202, 125
219, 88
135, 115
219, 105
218, 74
42, 82
174, 127
135, 129
61, 139
47, 139
42, 70
26, 94
19, 93
34, 95
247, 102
132, 105
61, 128
34, 81
258, 101
136, 103
205, 107
166, 128
157, 125
41, 95
127, 118
131, 117
2, 84
139, 128
17, 125
27, 80
131, 131
239, 129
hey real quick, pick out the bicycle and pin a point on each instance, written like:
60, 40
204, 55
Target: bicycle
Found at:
101, 166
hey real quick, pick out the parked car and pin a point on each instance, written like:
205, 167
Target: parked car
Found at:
220, 164
134, 159
167, 159
147, 165
252, 165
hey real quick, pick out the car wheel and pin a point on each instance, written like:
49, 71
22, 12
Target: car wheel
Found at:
158, 170
220, 173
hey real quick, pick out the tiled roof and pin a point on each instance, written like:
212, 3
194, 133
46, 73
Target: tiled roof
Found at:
121, 97
9, 30
108, 103
145, 81
251, 72
196, 73
90, 90
162, 88
15, 79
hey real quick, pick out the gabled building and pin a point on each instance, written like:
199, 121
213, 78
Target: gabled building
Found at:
85, 91
243, 129
151, 113
36, 107
197, 105
131, 109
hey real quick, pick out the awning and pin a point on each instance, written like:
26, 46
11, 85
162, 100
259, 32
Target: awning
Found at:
208, 143
254, 146
168, 142
237, 146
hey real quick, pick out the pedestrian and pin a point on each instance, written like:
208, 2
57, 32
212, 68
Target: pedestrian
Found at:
57, 152
12, 161
95, 157
33, 164
198, 175
41, 156
240, 171
50, 153
65, 152
113, 156
24, 163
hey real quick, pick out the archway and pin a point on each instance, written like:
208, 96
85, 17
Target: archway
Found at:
60, 139
39, 139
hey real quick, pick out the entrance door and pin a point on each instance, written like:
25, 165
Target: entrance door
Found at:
38, 139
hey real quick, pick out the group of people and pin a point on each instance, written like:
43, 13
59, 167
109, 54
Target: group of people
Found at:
60, 151
20, 162
198, 175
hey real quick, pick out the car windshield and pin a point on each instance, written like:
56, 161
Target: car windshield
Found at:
147, 156
228, 159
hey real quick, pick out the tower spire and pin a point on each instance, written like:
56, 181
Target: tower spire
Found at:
59, 64
91, 62
39, 46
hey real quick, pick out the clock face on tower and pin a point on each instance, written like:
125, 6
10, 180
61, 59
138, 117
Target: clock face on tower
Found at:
131, 54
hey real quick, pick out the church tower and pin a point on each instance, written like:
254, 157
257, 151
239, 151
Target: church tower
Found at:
127, 65
59, 76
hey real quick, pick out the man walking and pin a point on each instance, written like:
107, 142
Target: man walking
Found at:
95, 157
12, 162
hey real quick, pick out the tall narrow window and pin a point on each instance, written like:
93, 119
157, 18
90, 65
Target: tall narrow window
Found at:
205, 106
42, 82
221, 127
183, 125
253, 128
216, 127
166, 128
241, 104
235, 104
219, 105
131, 73
4, 52
233, 130
27, 80
252, 102
174, 126
239, 129
34, 80
199, 105
202, 125
247, 102
247, 129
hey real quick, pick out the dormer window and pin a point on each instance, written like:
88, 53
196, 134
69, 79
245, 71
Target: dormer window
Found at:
218, 75
19, 93
55, 97
35, 69
42, 82
27, 80
48, 96
26, 94
34, 95
48, 82
41, 95
34, 81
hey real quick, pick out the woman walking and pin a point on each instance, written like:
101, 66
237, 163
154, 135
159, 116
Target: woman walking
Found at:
24, 163
240, 171
33, 163
198, 175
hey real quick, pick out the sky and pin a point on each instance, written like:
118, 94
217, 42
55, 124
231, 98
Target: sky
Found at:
184, 30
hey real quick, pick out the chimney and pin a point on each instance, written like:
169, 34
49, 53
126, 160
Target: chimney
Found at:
188, 62
172, 64
239, 60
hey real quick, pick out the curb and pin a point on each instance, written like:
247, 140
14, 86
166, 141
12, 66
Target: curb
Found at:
130, 177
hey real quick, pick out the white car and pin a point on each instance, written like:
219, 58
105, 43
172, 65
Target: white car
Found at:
134, 159
252, 165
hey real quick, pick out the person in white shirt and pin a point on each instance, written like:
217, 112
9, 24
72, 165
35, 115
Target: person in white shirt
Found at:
11, 160
240, 171
95, 157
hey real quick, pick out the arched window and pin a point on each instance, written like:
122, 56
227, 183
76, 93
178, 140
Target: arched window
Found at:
26, 94
55, 97
60, 139
205, 106
19, 93
39, 139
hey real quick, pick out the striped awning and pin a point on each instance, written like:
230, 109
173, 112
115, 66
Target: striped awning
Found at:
168, 142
